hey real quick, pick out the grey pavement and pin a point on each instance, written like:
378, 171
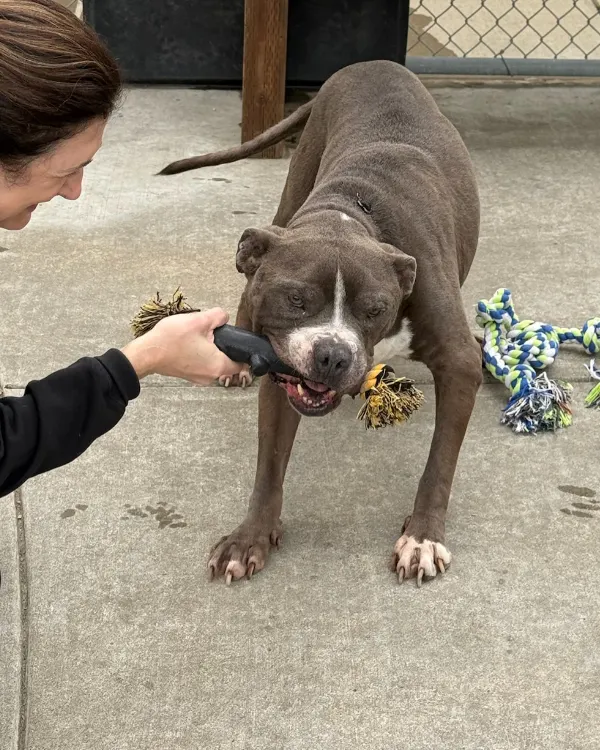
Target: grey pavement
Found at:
112, 636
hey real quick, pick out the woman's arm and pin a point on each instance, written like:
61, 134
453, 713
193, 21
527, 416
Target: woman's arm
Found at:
60, 416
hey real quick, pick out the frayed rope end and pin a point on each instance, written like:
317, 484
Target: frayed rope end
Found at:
388, 399
156, 309
543, 406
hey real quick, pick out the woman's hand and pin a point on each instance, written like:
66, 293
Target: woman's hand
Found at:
181, 346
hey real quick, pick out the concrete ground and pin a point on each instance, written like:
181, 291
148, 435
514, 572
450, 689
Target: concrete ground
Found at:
112, 638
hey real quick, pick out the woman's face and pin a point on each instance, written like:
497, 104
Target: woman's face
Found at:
60, 172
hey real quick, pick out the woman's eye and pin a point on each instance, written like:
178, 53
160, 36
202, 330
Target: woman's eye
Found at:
296, 300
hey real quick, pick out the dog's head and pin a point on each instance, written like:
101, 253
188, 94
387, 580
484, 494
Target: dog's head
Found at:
324, 298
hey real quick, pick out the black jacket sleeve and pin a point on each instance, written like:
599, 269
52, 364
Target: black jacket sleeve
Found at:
60, 416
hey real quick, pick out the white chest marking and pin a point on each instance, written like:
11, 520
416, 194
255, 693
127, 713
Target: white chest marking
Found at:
345, 217
398, 345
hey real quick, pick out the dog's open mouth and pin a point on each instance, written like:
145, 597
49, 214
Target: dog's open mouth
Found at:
307, 397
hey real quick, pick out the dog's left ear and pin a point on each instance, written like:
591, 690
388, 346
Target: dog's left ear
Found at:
405, 265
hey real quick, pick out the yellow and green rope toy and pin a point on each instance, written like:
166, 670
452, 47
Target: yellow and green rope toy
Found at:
388, 398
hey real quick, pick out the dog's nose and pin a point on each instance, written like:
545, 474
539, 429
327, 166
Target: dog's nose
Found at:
332, 359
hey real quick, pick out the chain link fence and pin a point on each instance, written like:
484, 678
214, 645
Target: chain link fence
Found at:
560, 37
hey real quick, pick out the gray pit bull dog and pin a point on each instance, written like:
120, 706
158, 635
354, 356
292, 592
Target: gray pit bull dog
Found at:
374, 236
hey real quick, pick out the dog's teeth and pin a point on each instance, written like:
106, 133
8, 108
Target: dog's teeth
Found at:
300, 389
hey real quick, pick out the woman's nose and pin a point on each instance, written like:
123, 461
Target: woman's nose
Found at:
71, 190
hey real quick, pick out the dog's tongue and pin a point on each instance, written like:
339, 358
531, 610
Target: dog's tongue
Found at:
318, 387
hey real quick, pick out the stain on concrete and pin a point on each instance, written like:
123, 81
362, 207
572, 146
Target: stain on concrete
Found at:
571, 489
70, 512
240, 213
165, 515
579, 513
136, 513
213, 179
594, 505
581, 509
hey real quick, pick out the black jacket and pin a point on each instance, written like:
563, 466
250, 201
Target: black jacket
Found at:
60, 416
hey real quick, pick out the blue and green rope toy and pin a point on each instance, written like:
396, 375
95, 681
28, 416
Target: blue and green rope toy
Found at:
515, 350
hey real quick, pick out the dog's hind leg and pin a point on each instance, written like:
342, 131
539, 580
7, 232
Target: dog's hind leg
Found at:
246, 549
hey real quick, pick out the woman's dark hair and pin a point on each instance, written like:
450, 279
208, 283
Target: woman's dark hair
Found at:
56, 76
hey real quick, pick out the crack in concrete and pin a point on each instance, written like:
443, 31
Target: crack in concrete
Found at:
23, 583
24, 609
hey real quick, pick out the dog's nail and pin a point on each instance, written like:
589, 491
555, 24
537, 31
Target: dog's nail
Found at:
420, 577
250, 570
227, 381
228, 579
401, 574
440, 564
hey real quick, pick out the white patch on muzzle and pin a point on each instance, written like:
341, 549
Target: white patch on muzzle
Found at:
301, 341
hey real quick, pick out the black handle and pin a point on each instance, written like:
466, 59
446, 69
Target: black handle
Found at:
250, 348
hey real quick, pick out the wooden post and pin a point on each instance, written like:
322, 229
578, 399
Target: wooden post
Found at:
263, 87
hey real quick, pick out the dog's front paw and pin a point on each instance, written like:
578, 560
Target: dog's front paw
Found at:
243, 379
244, 552
422, 559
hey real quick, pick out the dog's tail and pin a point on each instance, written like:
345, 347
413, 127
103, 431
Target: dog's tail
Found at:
269, 138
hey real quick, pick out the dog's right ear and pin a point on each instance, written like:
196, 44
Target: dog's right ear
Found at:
253, 244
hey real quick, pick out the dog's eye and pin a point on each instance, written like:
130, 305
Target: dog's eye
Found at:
374, 312
296, 300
